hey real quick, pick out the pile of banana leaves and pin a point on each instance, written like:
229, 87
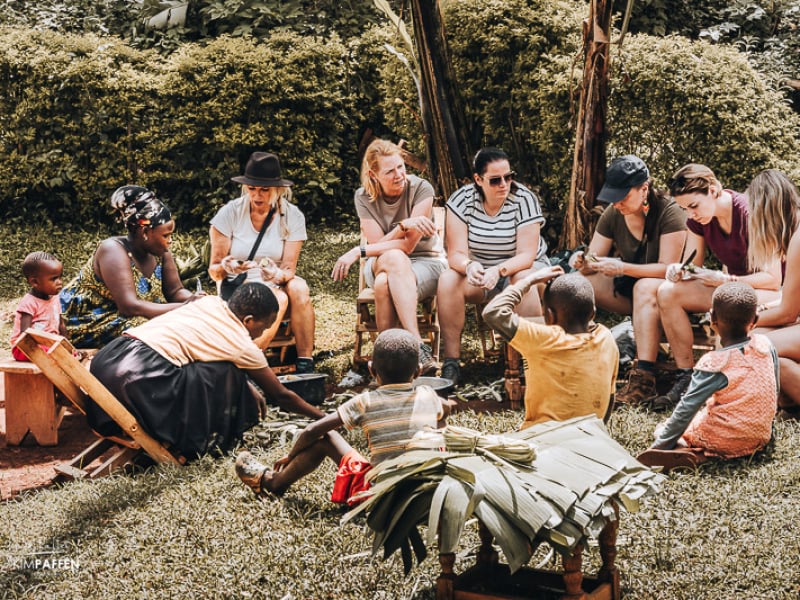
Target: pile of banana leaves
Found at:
556, 482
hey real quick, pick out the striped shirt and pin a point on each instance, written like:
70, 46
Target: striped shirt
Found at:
391, 415
491, 240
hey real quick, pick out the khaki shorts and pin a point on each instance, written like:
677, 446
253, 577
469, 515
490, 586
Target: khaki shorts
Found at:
426, 269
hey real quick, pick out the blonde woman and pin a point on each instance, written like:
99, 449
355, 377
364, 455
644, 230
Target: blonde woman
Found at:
403, 250
260, 234
774, 222
717, 221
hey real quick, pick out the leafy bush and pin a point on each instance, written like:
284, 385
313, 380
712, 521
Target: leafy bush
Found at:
675, 101
83, 115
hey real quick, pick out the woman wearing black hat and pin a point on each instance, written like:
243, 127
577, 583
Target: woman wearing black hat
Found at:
129, 279
638, 235
260, 235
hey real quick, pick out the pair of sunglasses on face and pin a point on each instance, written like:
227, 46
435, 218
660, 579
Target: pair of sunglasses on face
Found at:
497, 179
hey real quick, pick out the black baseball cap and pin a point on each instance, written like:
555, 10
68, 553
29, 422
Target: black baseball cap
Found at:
624, 173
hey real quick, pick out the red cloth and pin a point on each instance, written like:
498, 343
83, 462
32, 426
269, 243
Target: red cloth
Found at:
19, 355
350, 479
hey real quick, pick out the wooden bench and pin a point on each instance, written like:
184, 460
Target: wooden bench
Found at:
31, 405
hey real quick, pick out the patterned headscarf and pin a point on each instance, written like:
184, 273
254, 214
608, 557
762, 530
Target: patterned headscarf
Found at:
139, 207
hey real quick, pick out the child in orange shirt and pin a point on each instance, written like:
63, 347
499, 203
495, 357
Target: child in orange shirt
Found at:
728, 409
40, 307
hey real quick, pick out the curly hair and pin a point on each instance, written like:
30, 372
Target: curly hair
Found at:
395, 357
735, 304
33, 262
572, 295
254, 299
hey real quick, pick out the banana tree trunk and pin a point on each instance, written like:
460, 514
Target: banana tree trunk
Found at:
442, 112
589, 158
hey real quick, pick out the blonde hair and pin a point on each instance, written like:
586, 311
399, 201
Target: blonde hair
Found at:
693, 179
774, 204
377, 149
284, 195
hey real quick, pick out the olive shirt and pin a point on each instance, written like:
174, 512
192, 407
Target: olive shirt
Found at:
387, 215
665, 216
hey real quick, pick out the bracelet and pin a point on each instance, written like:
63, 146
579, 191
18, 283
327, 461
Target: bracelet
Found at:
402, 227
761, 308
732, 277
466, 266
363, 249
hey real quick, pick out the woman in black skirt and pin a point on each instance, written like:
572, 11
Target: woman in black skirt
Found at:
184, 375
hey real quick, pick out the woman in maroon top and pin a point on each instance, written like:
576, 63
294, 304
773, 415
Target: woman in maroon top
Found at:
717, 221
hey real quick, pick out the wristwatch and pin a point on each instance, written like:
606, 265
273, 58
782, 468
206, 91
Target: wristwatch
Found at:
363, 251
503, 271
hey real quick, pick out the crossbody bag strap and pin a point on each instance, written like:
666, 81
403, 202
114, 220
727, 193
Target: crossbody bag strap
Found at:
270, 214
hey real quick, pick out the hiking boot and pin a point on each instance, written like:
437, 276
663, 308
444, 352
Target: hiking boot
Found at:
304, 365
451, 370
641, 387
669, 400
427, 364
250, 471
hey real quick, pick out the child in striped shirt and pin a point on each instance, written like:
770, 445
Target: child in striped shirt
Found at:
390, 416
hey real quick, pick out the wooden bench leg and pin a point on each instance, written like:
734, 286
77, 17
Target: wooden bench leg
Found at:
31, 406
573, 575
446, 579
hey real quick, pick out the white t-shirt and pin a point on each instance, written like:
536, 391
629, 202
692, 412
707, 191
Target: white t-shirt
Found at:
233, 221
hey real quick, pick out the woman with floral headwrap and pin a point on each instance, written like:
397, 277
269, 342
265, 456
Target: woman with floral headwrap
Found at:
129, 279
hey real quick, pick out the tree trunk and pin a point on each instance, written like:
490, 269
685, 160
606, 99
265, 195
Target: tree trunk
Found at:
442, 112
589, 159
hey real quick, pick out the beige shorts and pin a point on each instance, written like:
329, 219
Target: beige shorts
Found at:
426, 269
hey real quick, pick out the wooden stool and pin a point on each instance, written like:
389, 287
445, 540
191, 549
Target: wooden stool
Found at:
490, 580
30, 404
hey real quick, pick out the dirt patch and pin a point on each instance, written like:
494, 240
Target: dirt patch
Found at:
30, 466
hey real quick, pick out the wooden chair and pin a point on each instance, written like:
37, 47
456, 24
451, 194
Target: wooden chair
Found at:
493, 345
366, 327
282, 350
53, 354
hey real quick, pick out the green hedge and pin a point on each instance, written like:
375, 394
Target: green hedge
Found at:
83, 115
676, 101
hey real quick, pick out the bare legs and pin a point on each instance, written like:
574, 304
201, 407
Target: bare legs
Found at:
452, 297
787, 343
331, 445
395, 292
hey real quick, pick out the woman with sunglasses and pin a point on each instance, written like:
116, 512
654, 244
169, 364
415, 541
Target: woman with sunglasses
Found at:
717, 220
493, 234
639, 234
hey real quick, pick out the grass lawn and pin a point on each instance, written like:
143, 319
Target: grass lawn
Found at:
728, 530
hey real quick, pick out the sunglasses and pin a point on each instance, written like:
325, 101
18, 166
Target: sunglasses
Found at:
497, 179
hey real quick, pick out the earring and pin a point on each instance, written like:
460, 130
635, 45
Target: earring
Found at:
645, 206
145, 237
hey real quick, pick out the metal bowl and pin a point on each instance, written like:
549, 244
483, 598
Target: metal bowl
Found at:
440, 385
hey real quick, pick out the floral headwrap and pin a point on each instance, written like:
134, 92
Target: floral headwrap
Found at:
138, 207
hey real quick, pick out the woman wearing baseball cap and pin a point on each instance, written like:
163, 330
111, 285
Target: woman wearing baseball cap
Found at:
638, 235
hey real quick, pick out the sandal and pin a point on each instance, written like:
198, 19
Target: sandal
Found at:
671, 459
251, 472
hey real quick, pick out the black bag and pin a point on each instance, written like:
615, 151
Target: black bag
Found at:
228, 286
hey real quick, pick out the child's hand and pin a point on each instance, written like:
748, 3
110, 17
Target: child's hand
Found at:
280, 464
545, 274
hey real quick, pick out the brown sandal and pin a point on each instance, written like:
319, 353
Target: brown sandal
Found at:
670, 459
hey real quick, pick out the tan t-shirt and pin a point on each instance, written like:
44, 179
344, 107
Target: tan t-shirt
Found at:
202, 331
568, 375
386, 215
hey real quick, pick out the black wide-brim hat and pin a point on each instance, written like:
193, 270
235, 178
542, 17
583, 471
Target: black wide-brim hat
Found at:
263, 169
